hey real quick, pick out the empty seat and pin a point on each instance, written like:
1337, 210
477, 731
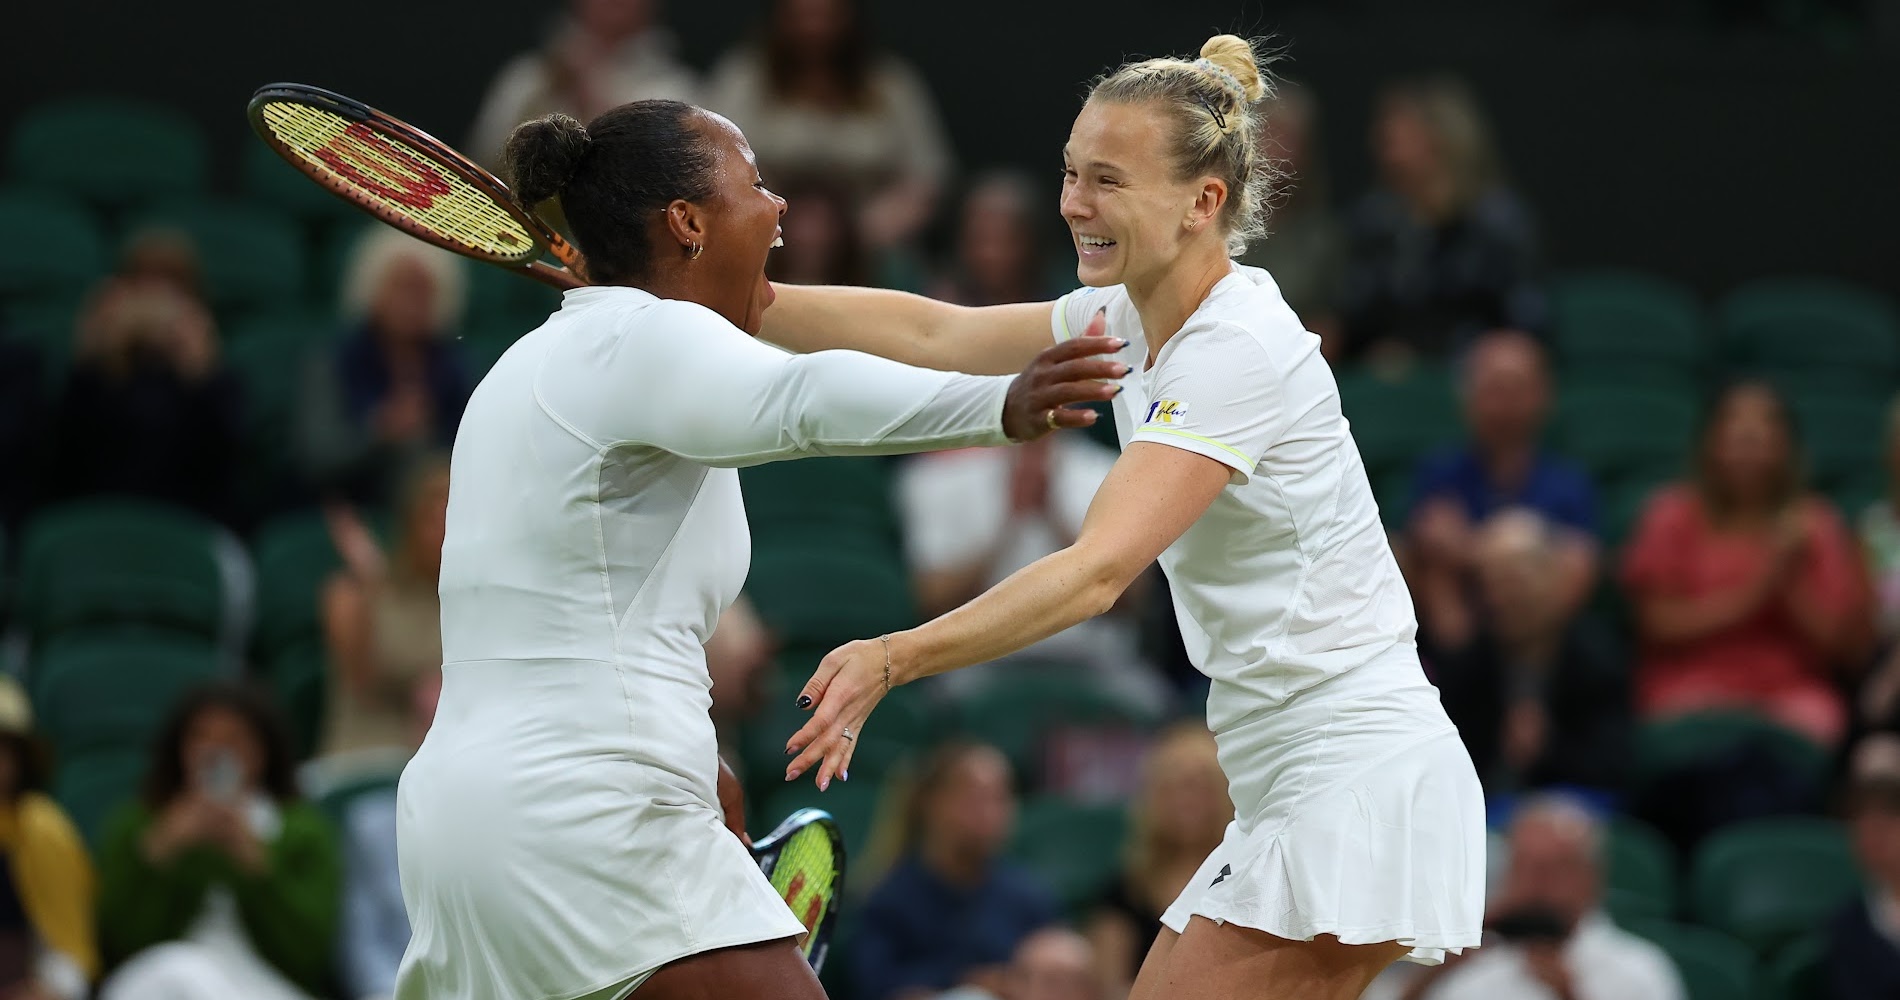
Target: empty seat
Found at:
1074, 849
109, 692
827, 558
112, 151
1642, 878
1676, 744
1842, 435
1639, 327
91, 787
252, 256
1817, 325
1769, 881
1627, 431
1713, 965
1021, 710
65, 254
1397, 421
294, 556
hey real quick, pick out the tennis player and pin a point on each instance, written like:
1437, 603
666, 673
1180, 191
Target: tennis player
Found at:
560, 831
1359, 829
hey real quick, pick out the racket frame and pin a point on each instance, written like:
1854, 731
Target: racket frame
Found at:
766, 852
416, 142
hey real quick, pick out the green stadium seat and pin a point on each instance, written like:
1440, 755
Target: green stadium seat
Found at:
827, 556
1713, 965
1842, 435
253, 257
1798, 971
1812, 324
114, 152
1621, 504
1020, 709
92, 787
1397, 421
109, 692
49, 322
1672, 745
1074, 849
270, 355
1626, 431
295, 557
112, 561
299, 677
1768, 881
1642, 878
507, 302
1636, 327
65, 254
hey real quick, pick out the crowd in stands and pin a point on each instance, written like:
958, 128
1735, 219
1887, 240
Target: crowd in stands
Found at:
1671, 642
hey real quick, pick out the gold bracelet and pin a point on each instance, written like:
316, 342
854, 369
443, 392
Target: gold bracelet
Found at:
886, 639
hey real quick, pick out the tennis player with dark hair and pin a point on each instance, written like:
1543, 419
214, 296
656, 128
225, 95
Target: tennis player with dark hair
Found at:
561, 832
1358, 837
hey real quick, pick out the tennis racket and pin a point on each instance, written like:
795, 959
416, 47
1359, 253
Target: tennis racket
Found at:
804, 860
408, 179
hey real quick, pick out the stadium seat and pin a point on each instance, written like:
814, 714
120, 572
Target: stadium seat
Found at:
1675, 744
298, 675
1842, 434
1642, 879
1022, 709
1713, 965
67, 251
1395, 422
1625, 432
253, 257
294, 556
49, 322
269, 355
114, 561
1074, 849
508, 304
92, 787
1818, 325
1797, 972
827, 557
113, 152
1767, 881
1620, 505
108, 692
1636, 327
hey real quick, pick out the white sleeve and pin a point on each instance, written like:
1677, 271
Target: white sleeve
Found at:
1217, 395
1071, 314
688, 382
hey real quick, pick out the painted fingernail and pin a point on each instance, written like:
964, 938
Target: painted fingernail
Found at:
824, 784
1119, 342
791, 776
844, 775
791, 751
1119, 388
804, 701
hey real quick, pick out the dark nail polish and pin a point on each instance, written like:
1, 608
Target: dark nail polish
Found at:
804, 701
1119, 388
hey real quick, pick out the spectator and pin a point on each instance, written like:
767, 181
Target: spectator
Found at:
951, 912
1879, 701
602, 53
816, 99
822, 244
382, 631
973, 517
394, 388
1306, 248
147, 378
1746, 588
738, 654
48, 950
1506, 392
1053, 964
999, 256
1540, 697
219, 883
1442, 250
1179, 817
1863, 941
162, 257
1549, 939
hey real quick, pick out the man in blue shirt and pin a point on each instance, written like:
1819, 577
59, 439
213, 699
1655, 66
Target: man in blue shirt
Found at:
1505, 384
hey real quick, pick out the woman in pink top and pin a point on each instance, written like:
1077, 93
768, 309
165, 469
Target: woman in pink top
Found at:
1747, 589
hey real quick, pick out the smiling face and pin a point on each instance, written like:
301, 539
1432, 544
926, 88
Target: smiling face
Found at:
1127, 211
741, 225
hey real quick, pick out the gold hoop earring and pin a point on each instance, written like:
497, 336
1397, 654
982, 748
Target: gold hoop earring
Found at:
695, 254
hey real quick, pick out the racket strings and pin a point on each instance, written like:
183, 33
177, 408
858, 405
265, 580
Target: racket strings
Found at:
398, 180
806, 876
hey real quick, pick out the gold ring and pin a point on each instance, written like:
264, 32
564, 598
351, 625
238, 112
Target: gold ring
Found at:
1050, 418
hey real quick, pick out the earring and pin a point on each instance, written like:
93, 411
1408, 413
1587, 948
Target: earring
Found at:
695, 254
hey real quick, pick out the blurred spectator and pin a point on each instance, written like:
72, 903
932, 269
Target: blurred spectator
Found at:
972, 517
383, 633
1506, 394
393, 389
999, 254
822, 243
1863, 941
162, 257
1746, 588
22, 421
146, 379
48, 950
1305, 249
1179, 817
601, 53
1879, 702
1053, 964
1442, 250
951, 912
1548, 939
738, 655
816, 99
219, 883
1540, 697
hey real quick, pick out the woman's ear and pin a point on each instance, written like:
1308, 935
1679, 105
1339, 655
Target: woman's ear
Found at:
1207, 204
686, 223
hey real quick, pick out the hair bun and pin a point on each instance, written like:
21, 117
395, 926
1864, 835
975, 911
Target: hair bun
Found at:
1234, 56
542, 155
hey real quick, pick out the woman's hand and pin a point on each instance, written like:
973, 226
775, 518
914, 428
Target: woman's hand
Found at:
1038, 401
185, 821
848, 684
233, 834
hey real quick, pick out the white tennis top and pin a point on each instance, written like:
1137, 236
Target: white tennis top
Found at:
1287, 580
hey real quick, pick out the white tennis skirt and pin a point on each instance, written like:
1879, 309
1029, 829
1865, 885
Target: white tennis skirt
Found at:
559, 836
1357, 814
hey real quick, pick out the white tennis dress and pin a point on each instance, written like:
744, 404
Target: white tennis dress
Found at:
559, 832
1358, 811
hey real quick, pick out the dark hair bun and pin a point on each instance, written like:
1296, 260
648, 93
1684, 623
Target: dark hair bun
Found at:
542, 155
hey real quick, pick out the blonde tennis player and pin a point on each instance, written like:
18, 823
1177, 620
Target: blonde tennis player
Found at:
1359, 829
560, 833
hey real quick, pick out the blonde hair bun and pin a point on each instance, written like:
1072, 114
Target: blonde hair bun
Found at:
1234, 56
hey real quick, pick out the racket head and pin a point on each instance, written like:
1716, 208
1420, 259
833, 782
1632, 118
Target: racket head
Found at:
803, 858
401, 175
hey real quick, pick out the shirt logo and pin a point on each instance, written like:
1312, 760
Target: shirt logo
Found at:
1225, 870
1166, 411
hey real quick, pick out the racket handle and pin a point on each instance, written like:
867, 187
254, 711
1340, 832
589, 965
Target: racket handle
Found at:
553, 276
